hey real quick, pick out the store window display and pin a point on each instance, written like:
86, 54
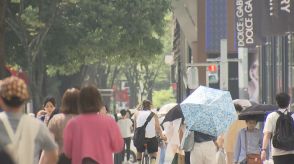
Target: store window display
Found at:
253, 72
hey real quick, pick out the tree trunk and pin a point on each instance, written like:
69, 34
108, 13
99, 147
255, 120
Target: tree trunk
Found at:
150, 90
37, 81
132, 76
114, 76
33, 50
2, 37
133, 95
101, 75
151, 75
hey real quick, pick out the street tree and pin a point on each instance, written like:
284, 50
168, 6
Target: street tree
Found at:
116, 36
30, 21
85, 40
2, 38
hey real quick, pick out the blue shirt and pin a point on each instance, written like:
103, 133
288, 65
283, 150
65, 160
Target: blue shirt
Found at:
254, 143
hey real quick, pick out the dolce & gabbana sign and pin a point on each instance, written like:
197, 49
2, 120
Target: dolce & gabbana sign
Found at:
244, 25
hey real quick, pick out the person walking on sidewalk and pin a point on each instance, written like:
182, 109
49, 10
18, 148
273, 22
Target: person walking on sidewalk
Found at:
91, 137
248, 142
280, 156
21, 135
126, 126
152, 128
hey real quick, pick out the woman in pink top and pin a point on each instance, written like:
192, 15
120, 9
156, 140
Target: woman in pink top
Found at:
90, 136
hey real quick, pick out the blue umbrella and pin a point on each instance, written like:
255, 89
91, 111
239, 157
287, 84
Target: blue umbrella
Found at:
209, 111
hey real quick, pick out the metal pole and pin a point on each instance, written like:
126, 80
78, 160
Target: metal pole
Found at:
224, 73
243, 72
207, 79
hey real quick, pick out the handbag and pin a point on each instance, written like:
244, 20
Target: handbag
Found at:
251, 158
139, 134
187, 142
221, 156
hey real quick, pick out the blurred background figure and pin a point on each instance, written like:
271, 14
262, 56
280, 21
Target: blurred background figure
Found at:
69, 109
48, 111
126, 127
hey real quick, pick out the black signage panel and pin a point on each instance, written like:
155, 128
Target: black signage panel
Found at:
277, 17
247, 22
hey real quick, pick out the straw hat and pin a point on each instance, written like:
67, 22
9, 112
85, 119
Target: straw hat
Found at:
14, 87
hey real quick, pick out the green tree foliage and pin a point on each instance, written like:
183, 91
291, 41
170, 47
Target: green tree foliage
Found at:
120, 35
163, 97
91, 38
112, 31
151, 72
30, 22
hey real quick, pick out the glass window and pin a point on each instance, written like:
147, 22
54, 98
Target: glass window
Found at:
278, 60
290, 42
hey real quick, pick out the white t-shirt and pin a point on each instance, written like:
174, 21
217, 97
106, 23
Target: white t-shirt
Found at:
270, 126
125, 127
150, 128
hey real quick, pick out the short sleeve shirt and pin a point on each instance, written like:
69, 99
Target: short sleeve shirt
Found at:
43, 141
125, 126
270, 127
150, 128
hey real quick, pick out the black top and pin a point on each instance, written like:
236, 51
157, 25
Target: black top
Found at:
201, 137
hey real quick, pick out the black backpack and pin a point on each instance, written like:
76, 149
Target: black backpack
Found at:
283, 137
139, 134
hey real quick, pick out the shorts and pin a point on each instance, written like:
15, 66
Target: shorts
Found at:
152, 145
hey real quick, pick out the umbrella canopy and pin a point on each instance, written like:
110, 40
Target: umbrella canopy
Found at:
209, 111
165, 108
244, 103
173, 114
257, 112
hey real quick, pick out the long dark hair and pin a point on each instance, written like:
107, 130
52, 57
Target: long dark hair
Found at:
49, 99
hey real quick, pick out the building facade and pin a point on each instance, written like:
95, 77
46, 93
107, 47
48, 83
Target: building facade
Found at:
201, 24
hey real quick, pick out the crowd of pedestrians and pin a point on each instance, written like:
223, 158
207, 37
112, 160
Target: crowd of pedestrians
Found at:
83, 131
79, 134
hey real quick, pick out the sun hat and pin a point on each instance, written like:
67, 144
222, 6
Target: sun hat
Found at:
13, 89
